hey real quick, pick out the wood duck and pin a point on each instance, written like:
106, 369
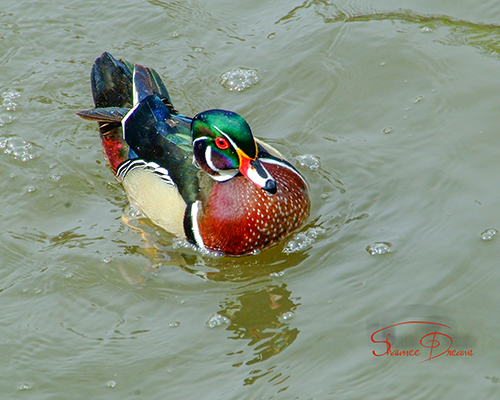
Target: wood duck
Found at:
205, 179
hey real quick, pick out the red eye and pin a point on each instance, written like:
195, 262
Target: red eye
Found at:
221, 143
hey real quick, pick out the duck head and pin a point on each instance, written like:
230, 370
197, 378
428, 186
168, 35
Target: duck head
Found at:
224, 146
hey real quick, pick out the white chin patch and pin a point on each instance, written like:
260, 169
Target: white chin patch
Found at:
225, 175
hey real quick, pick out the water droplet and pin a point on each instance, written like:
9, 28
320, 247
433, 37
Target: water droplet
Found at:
382, 64
388, 130
286, 317
489, 234
24, 386
217, 320
418, 99
239, 79
174, 324
175, 34
55, 177
378, 248
111, 384
271, 36
277, 274
31, 189
197, 49
107, 260
425, 29
303, 239
309, 161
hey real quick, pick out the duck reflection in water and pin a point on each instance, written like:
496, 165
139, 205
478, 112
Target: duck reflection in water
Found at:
256, 311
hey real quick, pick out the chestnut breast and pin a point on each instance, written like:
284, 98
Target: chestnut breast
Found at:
238, 218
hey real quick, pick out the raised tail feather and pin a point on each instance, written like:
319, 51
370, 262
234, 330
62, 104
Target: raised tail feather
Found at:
112, 91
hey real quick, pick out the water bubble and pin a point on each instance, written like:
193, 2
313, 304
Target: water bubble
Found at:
489, 234
10, 105
132, 212
17, 147
217, 320
111, 384
11, 94
6, 119
378, 248
174, 324
286, 317
308, 161
303, 239
8, 99
239, 79
388, 130
24, 386
418, 99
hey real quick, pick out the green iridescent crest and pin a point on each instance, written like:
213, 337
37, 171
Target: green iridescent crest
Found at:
216, 124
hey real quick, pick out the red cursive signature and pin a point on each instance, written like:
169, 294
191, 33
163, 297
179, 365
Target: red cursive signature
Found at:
434, 341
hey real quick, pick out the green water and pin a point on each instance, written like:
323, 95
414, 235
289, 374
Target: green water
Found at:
395, 105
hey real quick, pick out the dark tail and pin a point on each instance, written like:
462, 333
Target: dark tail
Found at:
112, 90
111, 82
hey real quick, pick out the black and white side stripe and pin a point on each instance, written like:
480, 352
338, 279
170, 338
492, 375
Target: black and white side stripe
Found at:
191, 227
129, 165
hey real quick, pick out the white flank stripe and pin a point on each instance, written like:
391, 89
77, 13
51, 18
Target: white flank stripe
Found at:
130, 165
195, 208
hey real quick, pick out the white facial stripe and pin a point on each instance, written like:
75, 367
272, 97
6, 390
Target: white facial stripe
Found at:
223, 174
281, 164
227, 137
208, 158
200, 138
